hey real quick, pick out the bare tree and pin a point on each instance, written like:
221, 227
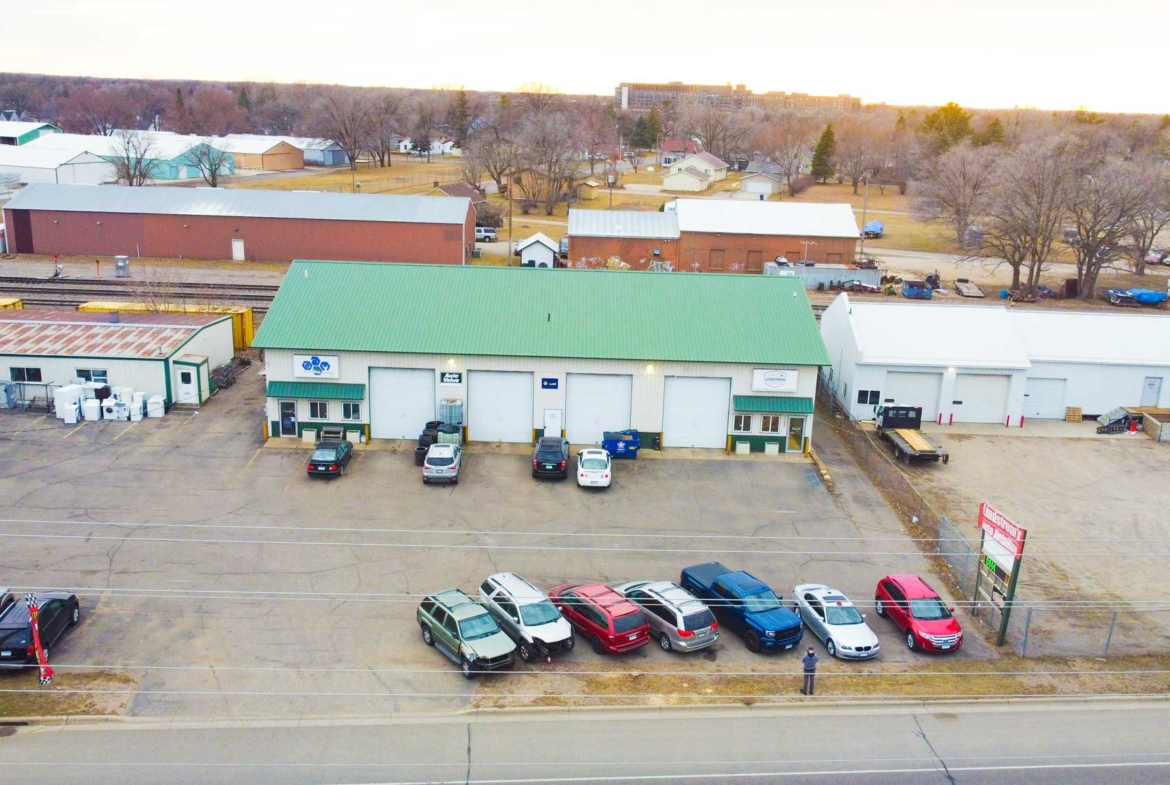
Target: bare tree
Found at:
347, 120
598, 129
860, 148
537, 99
1027, 205
956, 186
551, 150
787, 139
718, 131
386, 123
1103, 203
211, 158
135, 158
213, 111
1150, 220
100, 111
472, 167
426, 119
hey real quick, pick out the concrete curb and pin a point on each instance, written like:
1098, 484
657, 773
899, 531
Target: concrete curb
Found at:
802, 706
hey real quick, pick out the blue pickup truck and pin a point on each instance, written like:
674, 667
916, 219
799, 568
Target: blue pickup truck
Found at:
745, 605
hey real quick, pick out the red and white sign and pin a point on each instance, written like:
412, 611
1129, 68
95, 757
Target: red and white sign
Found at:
1003, 540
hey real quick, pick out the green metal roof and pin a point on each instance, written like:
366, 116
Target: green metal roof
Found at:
771, 405
322, 391
523, 312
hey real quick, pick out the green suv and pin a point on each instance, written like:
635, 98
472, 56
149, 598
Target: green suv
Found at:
463, 630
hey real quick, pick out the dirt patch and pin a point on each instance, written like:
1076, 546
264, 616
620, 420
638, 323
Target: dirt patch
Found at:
59, 698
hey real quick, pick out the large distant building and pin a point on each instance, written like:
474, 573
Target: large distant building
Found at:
642, 96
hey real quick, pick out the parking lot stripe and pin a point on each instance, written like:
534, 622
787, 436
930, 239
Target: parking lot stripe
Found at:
31, 424
123, 433
75, 430
246, 465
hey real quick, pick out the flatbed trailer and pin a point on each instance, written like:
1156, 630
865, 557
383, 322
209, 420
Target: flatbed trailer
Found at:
900, 426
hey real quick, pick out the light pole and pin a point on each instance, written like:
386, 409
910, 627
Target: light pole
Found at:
806, 244
864, 207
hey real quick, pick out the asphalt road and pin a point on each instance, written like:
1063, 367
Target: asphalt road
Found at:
1039, 742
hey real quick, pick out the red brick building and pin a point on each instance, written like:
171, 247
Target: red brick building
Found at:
243, 224
714, 235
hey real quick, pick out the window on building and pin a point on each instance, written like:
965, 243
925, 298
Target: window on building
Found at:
93, 375
743, 423
318, 410
25, 375
770, 423
351, 411
869, 397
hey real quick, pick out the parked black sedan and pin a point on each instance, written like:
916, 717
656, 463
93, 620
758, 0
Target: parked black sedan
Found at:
59, 611
330, 458
551, 458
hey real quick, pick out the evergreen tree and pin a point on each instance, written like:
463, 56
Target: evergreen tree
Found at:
992, 134
179, 99
244, 102
642, 138
654, 126
950, 123
822, 162
459, 117
900, 123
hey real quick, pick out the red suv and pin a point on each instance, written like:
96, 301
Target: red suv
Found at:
611, 622
919, 612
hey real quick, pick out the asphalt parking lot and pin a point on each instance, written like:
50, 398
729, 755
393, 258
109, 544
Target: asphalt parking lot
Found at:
229, 583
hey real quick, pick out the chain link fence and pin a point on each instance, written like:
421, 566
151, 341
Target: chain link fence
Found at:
1054, 628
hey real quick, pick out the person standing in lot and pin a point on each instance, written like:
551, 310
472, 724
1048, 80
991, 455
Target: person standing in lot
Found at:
809, 661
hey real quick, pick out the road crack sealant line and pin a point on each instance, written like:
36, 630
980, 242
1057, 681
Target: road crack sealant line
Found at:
920, 733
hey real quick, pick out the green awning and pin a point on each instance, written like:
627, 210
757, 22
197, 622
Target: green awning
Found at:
319, 391
771, 405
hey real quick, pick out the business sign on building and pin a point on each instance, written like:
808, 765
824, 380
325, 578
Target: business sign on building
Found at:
316, 366
1003, 540
774, 380
451, 378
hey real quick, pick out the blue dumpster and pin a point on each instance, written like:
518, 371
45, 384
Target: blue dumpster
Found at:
622, 444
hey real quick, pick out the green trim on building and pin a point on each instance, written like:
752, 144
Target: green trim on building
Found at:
768, 404
319, 391
519, 312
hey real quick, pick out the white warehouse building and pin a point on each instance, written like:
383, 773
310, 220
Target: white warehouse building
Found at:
989, 364
694, 360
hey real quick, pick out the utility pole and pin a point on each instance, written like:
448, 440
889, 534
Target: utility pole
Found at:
806, 244
509, 217
864, 207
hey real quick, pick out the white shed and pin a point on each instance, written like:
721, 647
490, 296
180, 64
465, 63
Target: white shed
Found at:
44, 165
538, 251
960, 363
762, 183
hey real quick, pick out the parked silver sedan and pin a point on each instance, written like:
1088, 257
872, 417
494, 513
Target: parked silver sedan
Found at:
834, 619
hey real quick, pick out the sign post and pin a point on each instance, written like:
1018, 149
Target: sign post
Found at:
1002, 545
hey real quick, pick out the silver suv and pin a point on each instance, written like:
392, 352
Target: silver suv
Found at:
484, 234
678, 620
527, 616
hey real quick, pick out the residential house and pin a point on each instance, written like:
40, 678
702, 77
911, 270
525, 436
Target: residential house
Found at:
689, 179
706, 163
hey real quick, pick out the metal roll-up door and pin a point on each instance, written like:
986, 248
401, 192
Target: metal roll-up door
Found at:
984, 397
694, 411
914, 388
595, 403
1044, 399
499, 406
402, 401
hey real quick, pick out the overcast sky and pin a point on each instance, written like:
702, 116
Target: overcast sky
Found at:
991, 53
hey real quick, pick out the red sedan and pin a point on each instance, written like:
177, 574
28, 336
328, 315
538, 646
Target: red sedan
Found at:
612, 623
919, 612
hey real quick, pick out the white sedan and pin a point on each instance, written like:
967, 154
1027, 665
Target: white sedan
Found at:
594, 468
834, 619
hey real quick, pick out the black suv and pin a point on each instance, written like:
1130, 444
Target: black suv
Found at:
551, 458
59, 611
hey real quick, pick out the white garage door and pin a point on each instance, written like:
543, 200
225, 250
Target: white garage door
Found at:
499, 406
757, 187
1044, 399
694, 412
984, 398
914, 389
595, 403
402, 401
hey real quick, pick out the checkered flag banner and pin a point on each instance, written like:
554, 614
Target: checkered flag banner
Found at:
34, 612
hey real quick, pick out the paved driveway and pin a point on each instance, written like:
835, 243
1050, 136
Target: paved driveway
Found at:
232, 584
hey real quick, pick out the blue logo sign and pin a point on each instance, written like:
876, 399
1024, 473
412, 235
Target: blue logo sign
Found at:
549, 384
315, 365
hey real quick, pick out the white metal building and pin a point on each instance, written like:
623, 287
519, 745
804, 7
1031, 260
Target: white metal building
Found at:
960, 363
170, 355
49, 165
539, 250
976, 363
572, 352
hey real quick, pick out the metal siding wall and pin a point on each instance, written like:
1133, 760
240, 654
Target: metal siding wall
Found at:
696, 248
79, 233
145, 375
214, 342
647, 394
1098, 388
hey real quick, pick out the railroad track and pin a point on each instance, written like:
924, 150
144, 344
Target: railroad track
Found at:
72, 292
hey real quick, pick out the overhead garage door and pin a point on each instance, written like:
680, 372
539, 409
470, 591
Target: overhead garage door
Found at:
499, 406
757, 187
1044, 399
595, 403
984, 398
402, 401
694, 412
914, 389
